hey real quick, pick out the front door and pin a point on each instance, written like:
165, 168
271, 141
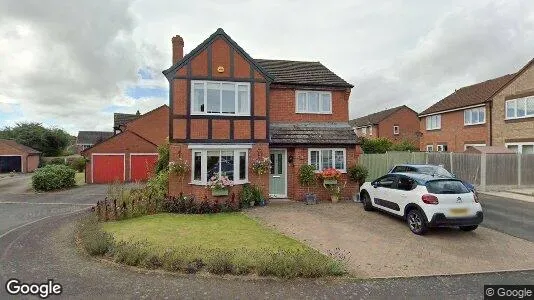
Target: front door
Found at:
277, 177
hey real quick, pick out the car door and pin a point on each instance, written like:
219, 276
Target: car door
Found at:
382, 191
401, 194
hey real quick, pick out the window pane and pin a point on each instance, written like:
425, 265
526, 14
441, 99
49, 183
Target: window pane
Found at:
243, 99
213, 98
474, 116
314, 159
272, 165
197, 166
313, 102
242, 165
213, 163
467, 117
326, 102
340, 160
482, 115
198, 97
438, 121
428, 123
510, 109
301, 102
513, 147
521, 106
228, 98
326, 159
530, 106
227, 164
280, 164
528, 149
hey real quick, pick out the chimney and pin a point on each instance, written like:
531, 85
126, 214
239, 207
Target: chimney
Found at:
177, 48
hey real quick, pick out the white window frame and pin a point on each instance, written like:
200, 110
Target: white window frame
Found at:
470, 111
515, 102
428, 121
204, 164
519, 145
370, 130
306, 111
429, 148
333, 150
473, 145
364, 130
396, 129
236, 100
441, 147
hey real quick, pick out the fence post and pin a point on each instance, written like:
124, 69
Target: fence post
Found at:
387, 160
450, 162
426, 158
518, 169
483, 172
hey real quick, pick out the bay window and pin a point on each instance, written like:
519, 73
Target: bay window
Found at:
314, 102
212, 162
520, 108
327, 158
220, 98
433, 122
475, 116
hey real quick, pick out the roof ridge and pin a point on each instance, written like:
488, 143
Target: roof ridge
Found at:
485, 81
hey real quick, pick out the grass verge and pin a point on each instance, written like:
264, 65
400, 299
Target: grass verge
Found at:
225, 243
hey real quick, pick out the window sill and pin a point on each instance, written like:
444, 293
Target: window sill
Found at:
198, 183
340, 171
313, 113
435, 129
520, 119
218, 114
475, 125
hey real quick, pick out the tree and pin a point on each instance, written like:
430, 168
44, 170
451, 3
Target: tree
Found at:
50, 141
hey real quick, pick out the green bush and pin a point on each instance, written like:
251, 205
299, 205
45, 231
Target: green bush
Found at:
55, 161
307, 176
157, 186
93, 238
246, 195
53, 177
77, 164
163, 158
405, 145
378, 145
358, 173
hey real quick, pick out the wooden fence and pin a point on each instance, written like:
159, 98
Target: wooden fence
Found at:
483, 170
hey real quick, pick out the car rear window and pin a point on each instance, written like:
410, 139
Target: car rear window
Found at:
446, 187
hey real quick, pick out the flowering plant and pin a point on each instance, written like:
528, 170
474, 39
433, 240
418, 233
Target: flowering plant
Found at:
219, 181
261, 166
179, 167
330, 173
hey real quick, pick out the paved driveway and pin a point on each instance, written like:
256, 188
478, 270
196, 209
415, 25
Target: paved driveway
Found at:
17, 183
383, 246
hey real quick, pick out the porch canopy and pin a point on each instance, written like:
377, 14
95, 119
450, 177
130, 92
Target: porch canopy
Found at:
327, 133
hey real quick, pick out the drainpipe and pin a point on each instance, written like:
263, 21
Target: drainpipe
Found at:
490, 126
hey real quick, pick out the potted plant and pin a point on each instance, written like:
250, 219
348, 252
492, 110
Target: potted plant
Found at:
335, 190
358, 174
219, 185
261, 166
330, 176
307, 178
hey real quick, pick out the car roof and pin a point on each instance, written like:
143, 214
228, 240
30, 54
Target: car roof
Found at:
416, 165
423, 178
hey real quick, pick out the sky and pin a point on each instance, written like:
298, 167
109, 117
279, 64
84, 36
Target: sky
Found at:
71, 64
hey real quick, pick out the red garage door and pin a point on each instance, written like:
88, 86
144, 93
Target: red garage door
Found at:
141, 166
108, 168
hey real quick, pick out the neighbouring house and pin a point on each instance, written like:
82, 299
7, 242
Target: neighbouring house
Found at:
87, 139
229, 110
15, 157
396, 124
488, 150
496, 112
131, 154
120, 120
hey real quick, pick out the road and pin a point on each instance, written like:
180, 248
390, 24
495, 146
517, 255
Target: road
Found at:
510, 216
35, 252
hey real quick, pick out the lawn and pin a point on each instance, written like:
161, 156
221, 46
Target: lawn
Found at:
225, 231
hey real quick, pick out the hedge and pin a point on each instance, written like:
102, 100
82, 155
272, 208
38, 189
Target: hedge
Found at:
53, 177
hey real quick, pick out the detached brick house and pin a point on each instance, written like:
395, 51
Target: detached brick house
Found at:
496, 112
396, 124
228, 110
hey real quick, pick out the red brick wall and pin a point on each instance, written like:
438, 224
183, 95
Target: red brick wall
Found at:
408, 123
283, 109
125, 142
32, 163
153, 126
199, 191
300, 157
454, 133
29, 162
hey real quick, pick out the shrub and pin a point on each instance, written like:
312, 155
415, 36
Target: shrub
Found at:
378, 145
131, 254
157, 186
53, 177
358, 173
307, 176
405, 145
220, 262
246, 195
93, 238
56, 161
77, 164
163, 158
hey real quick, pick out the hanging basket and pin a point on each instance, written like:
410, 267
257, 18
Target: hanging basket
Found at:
219, 192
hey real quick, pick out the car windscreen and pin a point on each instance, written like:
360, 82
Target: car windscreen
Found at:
435, 171
446, 187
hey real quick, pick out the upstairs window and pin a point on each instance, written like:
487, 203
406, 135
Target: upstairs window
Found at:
520, 108
314, 102
396, 129
220, 98
475, 116
433, 122
364, 130
370, 130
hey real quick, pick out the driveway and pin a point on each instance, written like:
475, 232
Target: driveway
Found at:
16, 183
382, 246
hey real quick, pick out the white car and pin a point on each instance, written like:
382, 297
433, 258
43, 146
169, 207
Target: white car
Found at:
423, 201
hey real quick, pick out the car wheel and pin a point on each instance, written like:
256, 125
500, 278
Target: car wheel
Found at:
366, 201
469, 228
416, 222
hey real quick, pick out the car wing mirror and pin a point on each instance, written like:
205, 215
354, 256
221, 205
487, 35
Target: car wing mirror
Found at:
374, 184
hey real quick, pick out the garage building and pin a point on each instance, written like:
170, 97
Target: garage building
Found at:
131, 155
15, 157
